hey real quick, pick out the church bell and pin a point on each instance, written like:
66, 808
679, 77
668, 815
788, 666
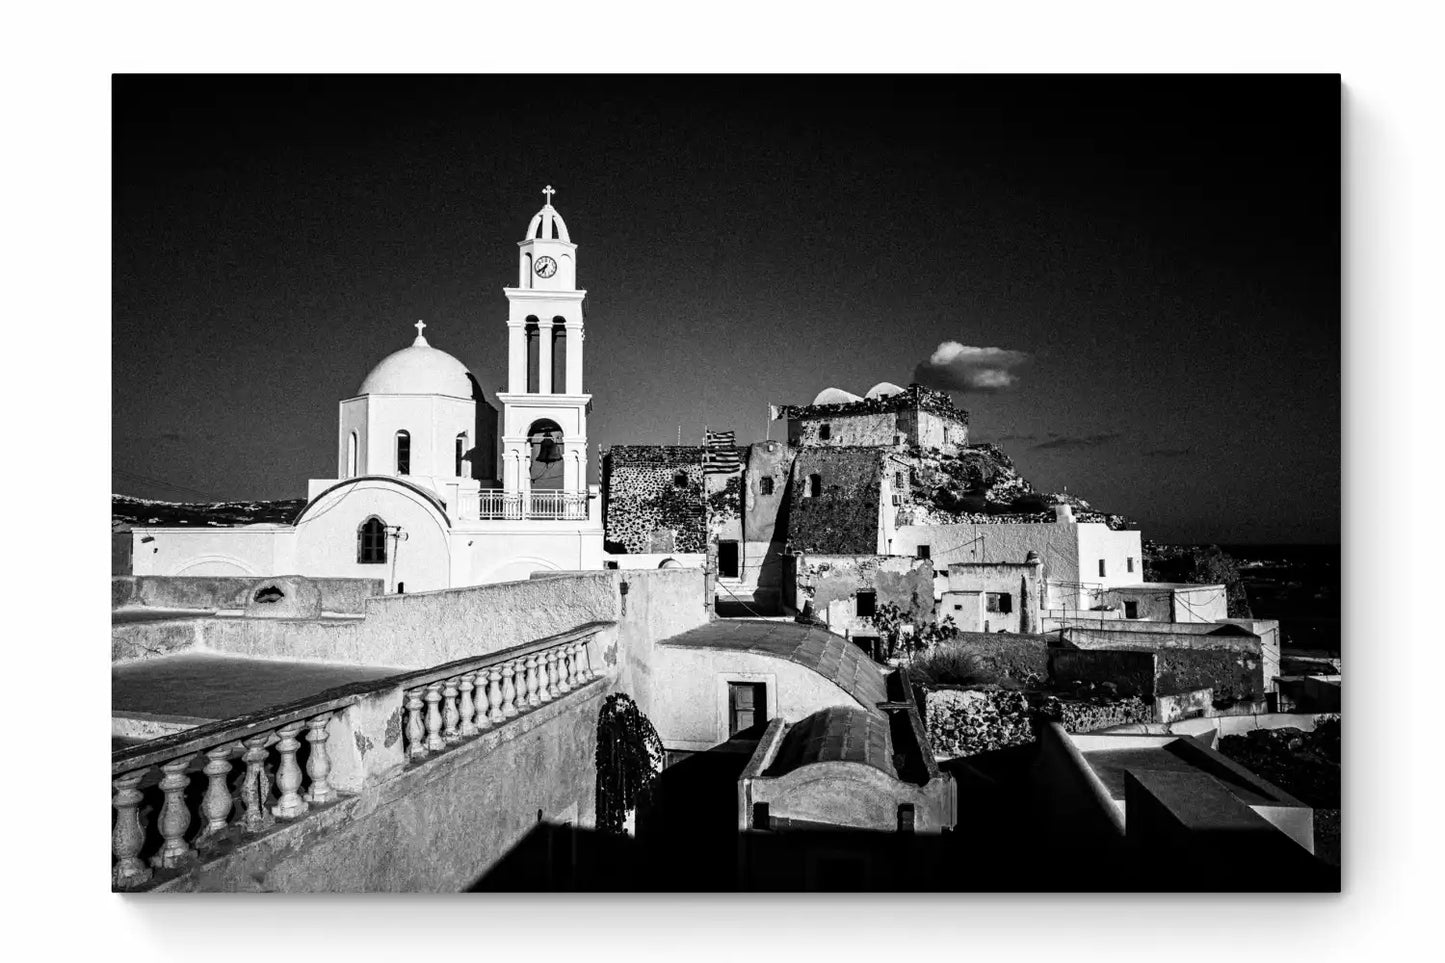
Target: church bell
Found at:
548, 450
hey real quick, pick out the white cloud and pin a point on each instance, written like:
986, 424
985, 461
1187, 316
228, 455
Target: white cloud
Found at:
954, 366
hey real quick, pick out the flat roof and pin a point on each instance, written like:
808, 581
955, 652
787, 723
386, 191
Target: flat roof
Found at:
1184, 755
832, 656
209, 685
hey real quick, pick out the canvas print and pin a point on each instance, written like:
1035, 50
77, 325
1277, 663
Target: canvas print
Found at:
725, 483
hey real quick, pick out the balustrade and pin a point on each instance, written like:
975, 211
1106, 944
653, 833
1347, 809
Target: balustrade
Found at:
213, 815
494, 503
244, 763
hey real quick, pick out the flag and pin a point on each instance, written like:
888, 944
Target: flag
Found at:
775, 412
720, 454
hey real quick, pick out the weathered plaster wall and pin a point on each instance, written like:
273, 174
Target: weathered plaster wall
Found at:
843, 519
235, 592
823, 581
689, 705
966, 598
644, 508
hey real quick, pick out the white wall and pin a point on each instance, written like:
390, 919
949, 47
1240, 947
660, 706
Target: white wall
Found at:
262, 550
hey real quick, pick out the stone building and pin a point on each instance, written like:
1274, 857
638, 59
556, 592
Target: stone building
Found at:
436, 485
887, 416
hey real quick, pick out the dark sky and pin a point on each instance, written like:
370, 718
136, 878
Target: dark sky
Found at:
1164, 249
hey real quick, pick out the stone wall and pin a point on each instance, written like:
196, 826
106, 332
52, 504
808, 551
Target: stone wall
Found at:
967, 722
823, 580
843, 518
644, 507
1020, 658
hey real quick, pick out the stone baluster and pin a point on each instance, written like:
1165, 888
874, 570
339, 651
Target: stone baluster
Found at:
584, 668
524, 683
549, 664
509, 690
415, 729
288, 773
256, 784
534, 685
564, 668
175, 816
543, 690
217, 802
451, 716
318, 762
469, 708
128, 835
434, 740
494, 696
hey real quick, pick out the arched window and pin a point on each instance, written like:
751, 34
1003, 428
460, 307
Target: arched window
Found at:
351, 456
403, 453
461, 453
765, 485
815, 486
825, 432
371, 542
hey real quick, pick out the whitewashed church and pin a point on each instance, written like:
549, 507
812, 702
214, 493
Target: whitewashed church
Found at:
422, 498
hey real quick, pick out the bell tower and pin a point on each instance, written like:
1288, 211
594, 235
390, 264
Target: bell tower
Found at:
544, 410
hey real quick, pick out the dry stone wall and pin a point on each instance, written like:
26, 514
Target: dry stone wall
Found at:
654, 499
967, 722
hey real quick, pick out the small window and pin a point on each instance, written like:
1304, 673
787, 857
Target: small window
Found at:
899, 479
371, 542
905, 818
1000, 602
1131, 609
867, 604
815, 486
957, 607
765, 486
403, 453
1101, 568
461, 453
924, 551
747, 707
825, 432
679, 480
351, 456
1129, 563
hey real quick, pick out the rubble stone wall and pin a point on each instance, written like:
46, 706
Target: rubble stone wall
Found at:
645, 509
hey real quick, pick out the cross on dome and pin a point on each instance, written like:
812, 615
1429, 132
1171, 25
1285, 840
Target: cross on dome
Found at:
420, 341
549, 192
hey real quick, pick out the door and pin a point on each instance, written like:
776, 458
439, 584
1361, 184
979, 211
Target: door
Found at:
727, 559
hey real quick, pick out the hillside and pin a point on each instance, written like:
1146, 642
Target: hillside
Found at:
127, 511
980, 484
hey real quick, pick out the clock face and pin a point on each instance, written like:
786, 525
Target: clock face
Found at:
546, 267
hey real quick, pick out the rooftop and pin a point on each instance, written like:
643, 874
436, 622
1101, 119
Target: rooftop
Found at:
832, 656
210, 686
836, 734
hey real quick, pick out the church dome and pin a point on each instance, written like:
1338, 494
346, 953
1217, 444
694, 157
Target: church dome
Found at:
884, 389
835, 396
418, 370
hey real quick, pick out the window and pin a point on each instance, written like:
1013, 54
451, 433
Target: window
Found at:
957, 607
923, 551
403, 453
867, 604
815, 486
461, 453
765, 485
905, 818
371, 542
747, 707
1000, 602
351, 456
1131, 609
1101, 568
1129, 563
825, 432
679, 480
761, 817
899, 479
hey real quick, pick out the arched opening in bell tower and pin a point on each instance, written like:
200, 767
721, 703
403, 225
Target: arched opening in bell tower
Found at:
534, 354
559, 356
545, 461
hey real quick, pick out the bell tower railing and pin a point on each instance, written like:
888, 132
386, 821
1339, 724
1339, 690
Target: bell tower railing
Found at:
497, 503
